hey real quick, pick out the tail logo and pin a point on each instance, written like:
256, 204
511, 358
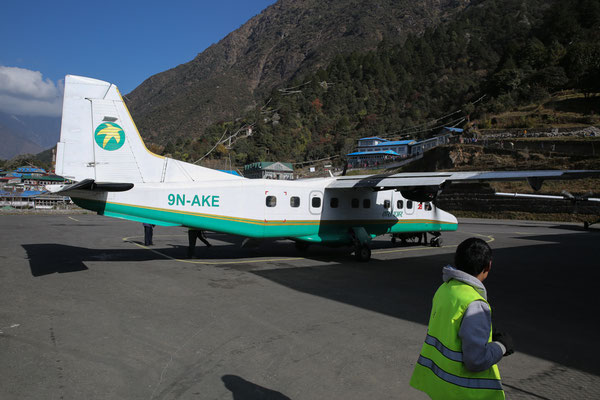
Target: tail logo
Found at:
109, 136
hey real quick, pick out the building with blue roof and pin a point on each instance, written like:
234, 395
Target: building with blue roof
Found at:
375, 151
30, 170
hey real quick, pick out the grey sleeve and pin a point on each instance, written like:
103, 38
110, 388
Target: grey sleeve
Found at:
478, 354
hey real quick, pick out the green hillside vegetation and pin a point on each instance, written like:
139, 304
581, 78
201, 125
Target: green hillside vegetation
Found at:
495, 57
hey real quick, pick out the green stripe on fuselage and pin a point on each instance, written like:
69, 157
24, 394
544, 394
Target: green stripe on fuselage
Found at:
326, 231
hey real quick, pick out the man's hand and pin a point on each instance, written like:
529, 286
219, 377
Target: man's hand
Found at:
506, 341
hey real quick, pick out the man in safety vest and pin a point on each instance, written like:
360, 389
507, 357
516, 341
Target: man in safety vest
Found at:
459, 357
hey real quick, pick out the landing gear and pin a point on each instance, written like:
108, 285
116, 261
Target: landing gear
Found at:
360, 238
587, 224
418, 238
362, 253
436, 240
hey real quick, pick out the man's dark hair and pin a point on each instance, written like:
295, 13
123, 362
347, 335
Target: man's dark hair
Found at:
472, 256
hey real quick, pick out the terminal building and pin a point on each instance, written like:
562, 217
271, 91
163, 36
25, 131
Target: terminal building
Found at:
375, 151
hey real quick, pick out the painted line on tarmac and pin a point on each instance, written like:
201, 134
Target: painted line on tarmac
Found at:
245, 261
489, 239
74, 219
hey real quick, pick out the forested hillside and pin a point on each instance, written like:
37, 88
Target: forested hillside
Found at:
287, 39
494, 56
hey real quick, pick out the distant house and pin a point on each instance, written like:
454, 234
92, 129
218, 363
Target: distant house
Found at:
269, 170
9, 180
35, 179
372, 151
25, 187
375, 151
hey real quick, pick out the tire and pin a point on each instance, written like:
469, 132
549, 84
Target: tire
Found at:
363, 253
436, 242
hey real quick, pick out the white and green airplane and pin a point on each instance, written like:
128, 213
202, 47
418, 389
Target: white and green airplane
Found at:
115, 175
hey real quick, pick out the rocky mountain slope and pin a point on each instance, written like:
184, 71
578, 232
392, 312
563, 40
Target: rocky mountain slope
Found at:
24, 134
286, 40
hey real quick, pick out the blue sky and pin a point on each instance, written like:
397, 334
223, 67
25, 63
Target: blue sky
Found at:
123, 42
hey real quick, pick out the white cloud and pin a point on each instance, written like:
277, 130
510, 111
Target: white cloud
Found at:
25, 92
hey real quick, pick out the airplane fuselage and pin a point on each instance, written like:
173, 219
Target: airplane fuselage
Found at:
259, 208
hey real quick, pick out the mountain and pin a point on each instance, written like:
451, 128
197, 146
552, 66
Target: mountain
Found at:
27, 135
14, 144
286, 40
495, 64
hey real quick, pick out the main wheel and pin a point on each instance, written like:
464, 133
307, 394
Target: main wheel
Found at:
436, 242
363, 253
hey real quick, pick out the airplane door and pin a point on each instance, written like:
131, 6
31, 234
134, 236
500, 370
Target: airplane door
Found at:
315, 202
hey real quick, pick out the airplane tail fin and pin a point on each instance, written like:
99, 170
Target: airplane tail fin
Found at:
99, 141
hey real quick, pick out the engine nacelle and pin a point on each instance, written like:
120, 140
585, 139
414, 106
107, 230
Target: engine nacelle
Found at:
421, 193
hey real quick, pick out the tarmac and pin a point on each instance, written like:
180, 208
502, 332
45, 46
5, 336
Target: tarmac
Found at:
89, 312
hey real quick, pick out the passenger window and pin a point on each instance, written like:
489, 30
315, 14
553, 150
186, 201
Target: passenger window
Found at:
271, 201
295, 201
355, 203
316, 202
334, 202
427, 206
386, 204
409, 204
366, 203
399, 204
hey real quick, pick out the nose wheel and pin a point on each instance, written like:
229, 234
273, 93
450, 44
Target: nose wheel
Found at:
436, 241
362, 253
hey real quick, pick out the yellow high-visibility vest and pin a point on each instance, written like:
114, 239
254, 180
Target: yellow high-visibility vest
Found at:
440, 372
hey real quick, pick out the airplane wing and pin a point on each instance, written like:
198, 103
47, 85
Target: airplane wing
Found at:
415, 179
425, 186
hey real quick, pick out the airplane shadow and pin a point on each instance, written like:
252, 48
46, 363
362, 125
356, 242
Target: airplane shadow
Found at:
242, 389
51, 258
544, 295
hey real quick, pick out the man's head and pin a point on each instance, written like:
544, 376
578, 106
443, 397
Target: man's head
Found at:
474, 256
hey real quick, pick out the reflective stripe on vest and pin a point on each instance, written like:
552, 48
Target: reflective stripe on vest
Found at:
451, 354
470, 383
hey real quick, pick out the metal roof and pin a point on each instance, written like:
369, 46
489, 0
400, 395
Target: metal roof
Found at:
457, 130
229, 171
395, 143
26, 193
360, 153
43, 177
30, 169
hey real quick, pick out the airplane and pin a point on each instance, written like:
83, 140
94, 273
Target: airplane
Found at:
115, 175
